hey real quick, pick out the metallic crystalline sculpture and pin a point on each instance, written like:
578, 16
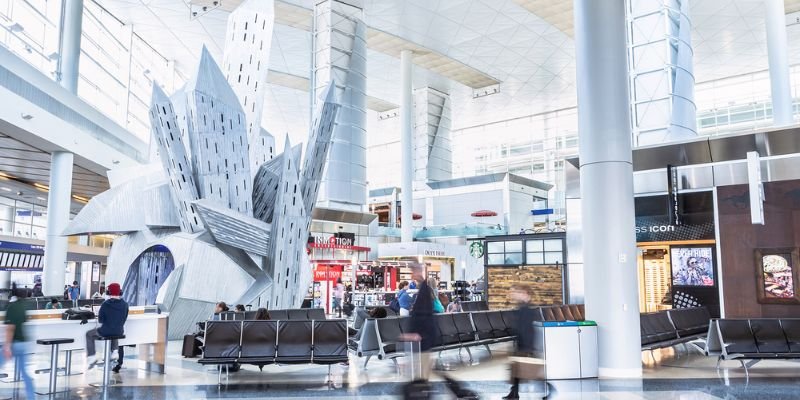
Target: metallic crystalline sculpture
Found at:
233, 236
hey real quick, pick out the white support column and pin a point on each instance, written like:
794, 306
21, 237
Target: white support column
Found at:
393, 209
7, 229
606, 172
59, 196
777, 49
58, 201
407, 147
70, 52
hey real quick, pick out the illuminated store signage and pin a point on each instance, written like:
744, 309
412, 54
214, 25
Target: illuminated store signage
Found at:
434, 253
340, 242
672, 195
476, 249
334, 241
655, 228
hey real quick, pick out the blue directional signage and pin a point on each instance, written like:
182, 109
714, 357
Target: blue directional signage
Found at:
543, 211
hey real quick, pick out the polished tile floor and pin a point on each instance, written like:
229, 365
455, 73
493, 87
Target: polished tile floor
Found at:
667, 375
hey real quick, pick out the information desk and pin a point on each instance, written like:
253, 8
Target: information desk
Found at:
147, 331
569, 348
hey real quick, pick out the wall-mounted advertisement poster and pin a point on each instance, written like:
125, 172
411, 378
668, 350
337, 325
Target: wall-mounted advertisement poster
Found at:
776, 275
692, 266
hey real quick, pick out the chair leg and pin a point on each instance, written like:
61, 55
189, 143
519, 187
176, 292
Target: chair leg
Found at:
106, 362
653, 356
744, 365
367, 361
488, 350
470, 354
396, 366
719, 360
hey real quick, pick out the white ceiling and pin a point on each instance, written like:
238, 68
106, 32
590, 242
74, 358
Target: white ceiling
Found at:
531, 57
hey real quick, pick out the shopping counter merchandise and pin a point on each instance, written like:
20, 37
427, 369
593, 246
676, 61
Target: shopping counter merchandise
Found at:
148, 331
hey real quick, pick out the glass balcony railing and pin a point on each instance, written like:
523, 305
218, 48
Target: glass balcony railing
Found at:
442, 231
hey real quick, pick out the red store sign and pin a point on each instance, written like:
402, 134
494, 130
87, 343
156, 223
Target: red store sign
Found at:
327, 275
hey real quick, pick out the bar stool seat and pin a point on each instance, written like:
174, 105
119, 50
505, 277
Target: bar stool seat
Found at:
49, 342
107, 356
54, 343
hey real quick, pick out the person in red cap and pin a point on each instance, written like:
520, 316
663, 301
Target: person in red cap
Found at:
112, 316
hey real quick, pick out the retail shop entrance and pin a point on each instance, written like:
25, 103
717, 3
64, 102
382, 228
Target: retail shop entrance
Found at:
677, 257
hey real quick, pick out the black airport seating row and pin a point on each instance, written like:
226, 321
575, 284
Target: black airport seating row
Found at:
457, 330
565, 312
671, 327
293, 314
379, 337
758, 339
275, 342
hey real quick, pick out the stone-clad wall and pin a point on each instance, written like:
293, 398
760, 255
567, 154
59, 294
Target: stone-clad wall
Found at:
545, 282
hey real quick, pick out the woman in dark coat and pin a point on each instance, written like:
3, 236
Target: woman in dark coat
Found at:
422, 321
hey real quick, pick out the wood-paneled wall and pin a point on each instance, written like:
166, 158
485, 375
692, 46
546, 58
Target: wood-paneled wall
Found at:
545, 281
739, 238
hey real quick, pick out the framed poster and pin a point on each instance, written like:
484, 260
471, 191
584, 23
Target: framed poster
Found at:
692, 266
776, 276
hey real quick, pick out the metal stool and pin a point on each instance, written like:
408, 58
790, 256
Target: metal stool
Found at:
53, 343
107, 357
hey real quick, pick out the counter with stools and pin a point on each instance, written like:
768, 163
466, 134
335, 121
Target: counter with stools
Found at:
148, 332
53, 343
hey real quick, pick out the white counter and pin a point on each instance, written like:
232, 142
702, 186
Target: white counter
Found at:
147, 331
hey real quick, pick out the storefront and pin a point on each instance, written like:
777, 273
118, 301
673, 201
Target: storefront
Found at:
333, 257
677, 254
535, 259
438, 259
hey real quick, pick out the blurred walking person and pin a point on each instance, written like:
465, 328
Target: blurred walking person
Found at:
16, 341
525, 343
426, 332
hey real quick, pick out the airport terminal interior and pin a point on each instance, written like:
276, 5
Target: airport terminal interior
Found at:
399, 199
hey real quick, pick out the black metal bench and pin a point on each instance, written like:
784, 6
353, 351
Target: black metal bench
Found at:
681, 326
262, 343
754, 339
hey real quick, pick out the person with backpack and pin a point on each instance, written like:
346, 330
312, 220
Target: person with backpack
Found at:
111, 317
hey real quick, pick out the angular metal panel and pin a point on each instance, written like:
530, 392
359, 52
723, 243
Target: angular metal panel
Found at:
218, 137
234, 229
174, 160
290, 226
245, 63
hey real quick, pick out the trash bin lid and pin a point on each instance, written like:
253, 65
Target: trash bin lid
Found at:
553, 324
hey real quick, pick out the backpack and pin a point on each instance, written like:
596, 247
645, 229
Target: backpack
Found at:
77, 313
394, 305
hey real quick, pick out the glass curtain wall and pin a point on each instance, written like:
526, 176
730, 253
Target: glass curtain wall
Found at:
117, 67
22, 219
30, 28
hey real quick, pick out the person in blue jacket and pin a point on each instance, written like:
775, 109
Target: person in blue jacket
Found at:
404, 300
111, 317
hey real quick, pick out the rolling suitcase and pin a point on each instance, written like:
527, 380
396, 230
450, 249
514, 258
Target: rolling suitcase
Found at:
417, 388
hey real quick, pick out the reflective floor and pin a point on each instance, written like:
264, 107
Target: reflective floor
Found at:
667, 375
